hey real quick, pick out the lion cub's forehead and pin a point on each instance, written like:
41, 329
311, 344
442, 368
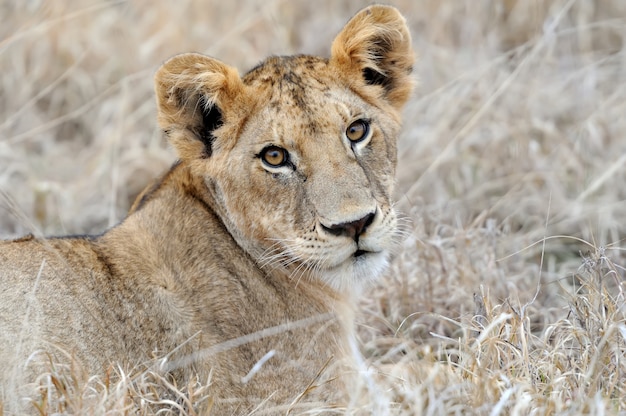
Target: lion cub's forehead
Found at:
291, 81
281, 71
305, 90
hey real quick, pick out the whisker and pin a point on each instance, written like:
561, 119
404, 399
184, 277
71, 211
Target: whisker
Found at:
275, 253
402, 234
274, 259
299, 271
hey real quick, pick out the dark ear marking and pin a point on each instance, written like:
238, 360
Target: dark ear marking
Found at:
373, 77
211, 120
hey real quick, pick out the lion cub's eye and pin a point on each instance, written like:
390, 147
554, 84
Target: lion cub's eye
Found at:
274, 156
357, 130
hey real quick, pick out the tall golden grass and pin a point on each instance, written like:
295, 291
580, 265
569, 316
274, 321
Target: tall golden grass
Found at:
507, 296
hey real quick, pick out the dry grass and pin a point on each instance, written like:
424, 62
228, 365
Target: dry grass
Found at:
507, 297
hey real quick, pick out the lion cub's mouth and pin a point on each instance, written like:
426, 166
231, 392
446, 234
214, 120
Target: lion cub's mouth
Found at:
358, 268
361, 255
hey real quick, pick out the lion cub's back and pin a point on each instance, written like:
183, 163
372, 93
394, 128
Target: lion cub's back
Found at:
46, 288
57, 263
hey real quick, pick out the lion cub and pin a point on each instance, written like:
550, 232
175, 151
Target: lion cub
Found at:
240, 265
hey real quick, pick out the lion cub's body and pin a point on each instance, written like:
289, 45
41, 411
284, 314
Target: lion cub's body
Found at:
91, 298
239, 265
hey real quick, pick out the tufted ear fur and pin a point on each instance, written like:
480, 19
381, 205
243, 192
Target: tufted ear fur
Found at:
375, 46
191, 91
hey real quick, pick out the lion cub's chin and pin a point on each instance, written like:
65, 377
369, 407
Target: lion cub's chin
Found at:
355, 273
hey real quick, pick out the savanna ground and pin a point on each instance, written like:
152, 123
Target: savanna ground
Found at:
507, 296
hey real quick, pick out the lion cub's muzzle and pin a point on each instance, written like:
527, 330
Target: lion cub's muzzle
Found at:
351, 229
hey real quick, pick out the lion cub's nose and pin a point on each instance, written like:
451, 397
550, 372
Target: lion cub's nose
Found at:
351, 229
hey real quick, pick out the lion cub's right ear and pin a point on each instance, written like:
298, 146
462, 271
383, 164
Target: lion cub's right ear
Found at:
192, 90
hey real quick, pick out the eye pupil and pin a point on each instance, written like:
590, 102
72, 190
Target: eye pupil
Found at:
357, 131
274, 156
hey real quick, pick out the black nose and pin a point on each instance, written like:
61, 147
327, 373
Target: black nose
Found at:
352, 229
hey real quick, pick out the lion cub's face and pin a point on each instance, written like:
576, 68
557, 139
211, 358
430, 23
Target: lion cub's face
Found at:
311, 174
300, 154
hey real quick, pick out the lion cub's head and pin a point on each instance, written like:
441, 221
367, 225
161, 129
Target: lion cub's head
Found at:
298, 156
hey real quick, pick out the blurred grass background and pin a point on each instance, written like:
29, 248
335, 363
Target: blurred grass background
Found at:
512, 172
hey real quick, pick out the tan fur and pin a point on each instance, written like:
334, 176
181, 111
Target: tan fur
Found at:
226, 259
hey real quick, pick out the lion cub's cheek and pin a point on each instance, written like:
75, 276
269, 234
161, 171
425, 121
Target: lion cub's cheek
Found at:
259, 206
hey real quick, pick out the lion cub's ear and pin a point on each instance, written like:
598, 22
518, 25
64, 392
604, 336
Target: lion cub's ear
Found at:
375, 46
191, 91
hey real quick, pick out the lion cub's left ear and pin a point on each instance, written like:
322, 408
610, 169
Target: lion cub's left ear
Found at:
192, 92
375, 47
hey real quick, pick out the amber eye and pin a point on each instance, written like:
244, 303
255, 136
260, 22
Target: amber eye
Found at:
274, 156
357, 131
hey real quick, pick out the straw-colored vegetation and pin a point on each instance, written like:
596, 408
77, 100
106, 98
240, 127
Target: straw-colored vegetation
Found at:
507, 296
